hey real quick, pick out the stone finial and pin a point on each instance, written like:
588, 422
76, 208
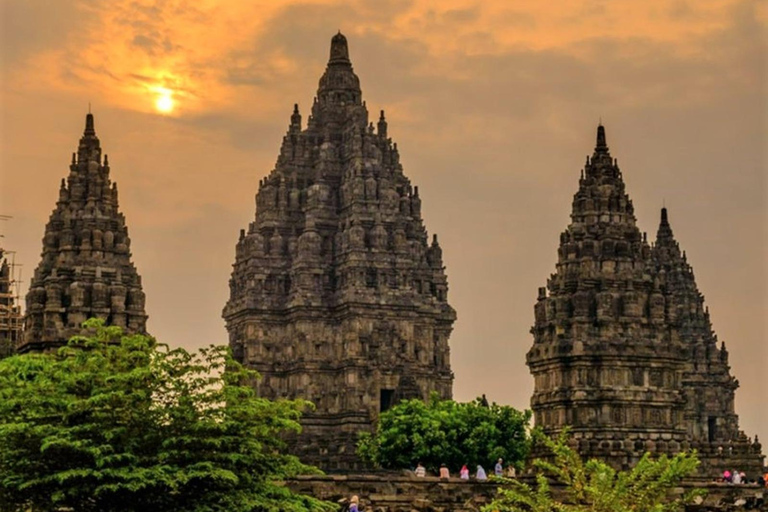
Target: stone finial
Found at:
296, 117
382, 125
89, 127
339, 50
601, 146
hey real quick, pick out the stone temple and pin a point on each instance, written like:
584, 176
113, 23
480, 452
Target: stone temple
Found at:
11, 319
86, 268
624, 351
337, 296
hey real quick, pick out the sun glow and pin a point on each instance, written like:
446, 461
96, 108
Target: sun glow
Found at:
164, 101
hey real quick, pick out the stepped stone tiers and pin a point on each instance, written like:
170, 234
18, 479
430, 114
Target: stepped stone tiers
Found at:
86, 268
623, 349
337, 296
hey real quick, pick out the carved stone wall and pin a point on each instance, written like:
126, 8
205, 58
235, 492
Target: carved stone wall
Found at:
337, 296
86, 269
400, 493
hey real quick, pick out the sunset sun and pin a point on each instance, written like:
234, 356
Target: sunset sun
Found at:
164, 101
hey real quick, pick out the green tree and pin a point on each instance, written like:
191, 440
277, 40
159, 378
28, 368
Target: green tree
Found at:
594, 486
122, 423
447, 432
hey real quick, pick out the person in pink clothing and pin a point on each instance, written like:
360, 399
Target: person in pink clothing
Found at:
464, 473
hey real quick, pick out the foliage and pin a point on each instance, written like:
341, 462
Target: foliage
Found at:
447, 432
122, 423
596, 487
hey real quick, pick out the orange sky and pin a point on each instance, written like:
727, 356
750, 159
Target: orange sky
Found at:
493, 105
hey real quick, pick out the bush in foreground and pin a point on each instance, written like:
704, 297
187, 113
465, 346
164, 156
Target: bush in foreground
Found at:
596, 487
447, 432
122, 423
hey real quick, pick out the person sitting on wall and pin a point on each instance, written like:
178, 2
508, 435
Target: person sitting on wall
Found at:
444, 473
464, 473
480, 475
511, 472
421, 471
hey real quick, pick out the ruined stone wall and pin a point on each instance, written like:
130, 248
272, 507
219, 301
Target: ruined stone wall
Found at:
400, 493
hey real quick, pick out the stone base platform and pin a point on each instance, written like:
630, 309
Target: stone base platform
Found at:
404, 493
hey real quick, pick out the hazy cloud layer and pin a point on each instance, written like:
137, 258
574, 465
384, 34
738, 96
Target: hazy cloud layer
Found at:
493, 105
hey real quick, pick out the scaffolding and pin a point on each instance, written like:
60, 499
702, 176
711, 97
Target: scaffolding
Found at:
11, 318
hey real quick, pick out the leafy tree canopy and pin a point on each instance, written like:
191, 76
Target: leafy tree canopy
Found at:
447, 432
594, 486
122, 423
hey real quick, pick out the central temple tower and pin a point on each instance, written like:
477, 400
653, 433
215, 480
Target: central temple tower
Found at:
337, 296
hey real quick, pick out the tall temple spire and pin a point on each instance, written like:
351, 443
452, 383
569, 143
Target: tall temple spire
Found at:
336, 294
86, 269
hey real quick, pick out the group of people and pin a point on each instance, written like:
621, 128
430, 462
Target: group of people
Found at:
480, 473
737, 477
